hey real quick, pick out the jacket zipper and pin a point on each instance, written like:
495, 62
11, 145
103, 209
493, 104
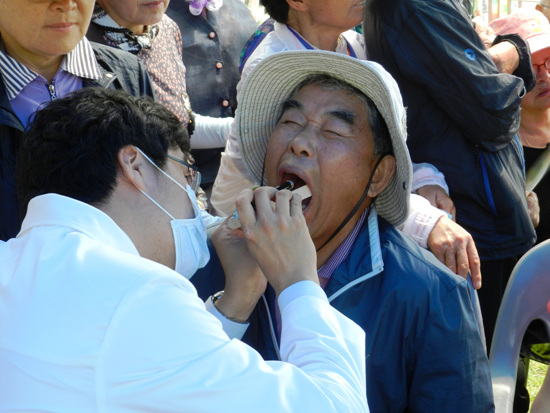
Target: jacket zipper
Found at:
51, 89
53, 94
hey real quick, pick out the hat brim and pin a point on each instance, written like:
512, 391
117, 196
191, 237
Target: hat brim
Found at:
272, 81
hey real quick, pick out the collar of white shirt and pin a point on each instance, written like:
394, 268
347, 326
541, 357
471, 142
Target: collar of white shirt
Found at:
59, 210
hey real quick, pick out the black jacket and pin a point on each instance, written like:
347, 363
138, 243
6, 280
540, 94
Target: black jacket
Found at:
463, 115
121, 70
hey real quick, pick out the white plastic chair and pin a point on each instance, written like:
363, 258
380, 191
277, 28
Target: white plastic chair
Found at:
525, 300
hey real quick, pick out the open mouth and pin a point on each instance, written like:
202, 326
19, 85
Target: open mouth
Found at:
298, 183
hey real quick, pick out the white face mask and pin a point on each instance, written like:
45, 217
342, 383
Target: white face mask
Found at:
189, 234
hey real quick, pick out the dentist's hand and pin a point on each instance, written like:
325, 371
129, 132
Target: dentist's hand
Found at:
277, 236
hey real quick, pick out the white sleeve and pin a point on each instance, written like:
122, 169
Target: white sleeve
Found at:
163, 352
427, 174
233, 176
421, 220
210, 132
231, 179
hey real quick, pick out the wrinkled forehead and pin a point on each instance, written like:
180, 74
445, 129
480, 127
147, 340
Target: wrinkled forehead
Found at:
322, 88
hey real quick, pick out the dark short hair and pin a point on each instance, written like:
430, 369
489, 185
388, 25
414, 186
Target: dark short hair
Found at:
278, 9
381, 135
72, 145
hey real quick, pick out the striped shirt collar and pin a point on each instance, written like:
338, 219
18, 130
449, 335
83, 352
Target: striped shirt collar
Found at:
80, 62
343, 250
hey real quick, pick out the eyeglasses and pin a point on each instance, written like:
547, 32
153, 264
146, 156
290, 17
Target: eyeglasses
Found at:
546, 64
193, 175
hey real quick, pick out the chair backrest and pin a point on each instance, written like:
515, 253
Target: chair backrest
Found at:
525, 300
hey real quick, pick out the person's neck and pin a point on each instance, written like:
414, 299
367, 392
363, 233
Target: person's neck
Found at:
322, 37
45, 66
324, 254
138, 29
534, 129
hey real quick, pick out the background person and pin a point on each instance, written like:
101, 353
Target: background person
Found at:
463, 117
44, 56
143, 29
211, 45
534, 129
534, 133
544, 8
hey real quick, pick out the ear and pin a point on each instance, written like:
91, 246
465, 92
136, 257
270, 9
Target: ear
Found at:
382, 176
298, 5
130, 163
538, 7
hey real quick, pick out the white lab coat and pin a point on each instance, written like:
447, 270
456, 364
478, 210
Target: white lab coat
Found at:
86, 325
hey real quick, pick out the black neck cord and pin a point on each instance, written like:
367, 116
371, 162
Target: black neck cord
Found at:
355, 208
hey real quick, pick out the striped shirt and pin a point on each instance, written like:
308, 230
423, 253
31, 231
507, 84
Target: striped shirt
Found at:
27, 90
325, 272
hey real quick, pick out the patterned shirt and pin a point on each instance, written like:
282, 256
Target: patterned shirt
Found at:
159, 48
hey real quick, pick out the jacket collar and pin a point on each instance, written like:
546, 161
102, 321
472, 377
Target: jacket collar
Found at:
97, 76
58, 210
80, 62
108, 75
364, 261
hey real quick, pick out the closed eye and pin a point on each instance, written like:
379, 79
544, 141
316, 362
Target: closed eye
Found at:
340, 123
291, 113
292, 118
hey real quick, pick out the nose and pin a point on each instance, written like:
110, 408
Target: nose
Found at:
64, 5
303, 143
541, 73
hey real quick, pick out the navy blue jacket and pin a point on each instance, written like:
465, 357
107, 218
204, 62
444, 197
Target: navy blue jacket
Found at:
424, 349
121, 71
462, 114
